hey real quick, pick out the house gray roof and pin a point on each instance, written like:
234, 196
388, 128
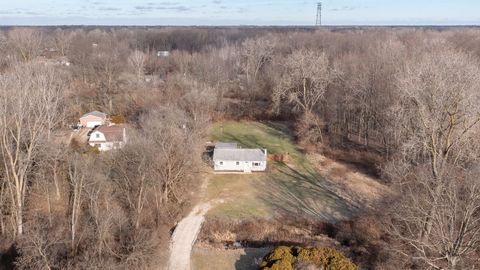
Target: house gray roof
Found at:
96, 113
229, 154
227, 145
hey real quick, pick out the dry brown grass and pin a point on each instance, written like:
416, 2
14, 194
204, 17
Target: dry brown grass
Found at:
287, 230
338, 171
358, 188
360, 238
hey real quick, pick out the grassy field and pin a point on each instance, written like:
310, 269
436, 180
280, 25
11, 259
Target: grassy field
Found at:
293, 187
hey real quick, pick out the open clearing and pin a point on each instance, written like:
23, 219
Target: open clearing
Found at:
295, 187
310, 186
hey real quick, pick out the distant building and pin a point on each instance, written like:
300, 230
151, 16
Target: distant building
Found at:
163, 53
93, 119
108, 137
228, 157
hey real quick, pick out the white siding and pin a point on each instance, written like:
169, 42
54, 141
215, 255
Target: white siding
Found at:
105, 146
97, 138
240, 165
91, 124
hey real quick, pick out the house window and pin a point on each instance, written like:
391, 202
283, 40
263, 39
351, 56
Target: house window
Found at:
238, 162
256, 164
97, 135
221, 162
98, 145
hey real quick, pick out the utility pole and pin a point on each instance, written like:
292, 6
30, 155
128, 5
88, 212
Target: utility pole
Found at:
319, 14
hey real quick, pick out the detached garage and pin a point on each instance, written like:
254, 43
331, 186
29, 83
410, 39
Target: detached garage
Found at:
227, 158
92, 119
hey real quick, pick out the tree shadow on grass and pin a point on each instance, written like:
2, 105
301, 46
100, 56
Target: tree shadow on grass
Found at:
302, 191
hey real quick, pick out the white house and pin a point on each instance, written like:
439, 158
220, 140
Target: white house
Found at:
93, 119
108, 137
227, 157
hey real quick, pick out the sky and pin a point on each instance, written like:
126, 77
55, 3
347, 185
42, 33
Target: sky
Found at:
238, 12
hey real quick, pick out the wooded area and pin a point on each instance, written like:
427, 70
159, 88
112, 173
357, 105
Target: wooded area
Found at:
408, 96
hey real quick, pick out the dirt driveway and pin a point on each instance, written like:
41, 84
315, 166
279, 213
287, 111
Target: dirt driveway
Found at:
184, 237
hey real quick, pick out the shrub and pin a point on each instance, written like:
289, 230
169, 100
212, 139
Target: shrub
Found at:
289, 258
118, 119
93, 150
281, 258
75, 144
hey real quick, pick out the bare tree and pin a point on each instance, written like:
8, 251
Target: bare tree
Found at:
108, 62
198, 102
4, 206
41, 246
26, 100
256, 53
78, 176
62, 40
439, 115
104, 212
455, 226
167, 128
137, 61
439, 106
26, 41
134, 173
302, 83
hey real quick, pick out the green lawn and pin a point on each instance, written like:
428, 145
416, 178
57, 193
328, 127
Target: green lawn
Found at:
291, 188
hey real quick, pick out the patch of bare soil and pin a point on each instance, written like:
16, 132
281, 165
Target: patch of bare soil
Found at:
356, 187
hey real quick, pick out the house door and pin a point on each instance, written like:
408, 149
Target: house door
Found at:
247, 167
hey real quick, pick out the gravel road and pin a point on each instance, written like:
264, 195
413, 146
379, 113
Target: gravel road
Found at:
184, 237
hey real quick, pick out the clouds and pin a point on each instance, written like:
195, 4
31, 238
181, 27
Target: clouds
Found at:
344, 8
115, 8
163, 6
247, 12
109, 9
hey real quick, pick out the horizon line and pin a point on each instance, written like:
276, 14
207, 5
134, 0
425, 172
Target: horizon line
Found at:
243, 25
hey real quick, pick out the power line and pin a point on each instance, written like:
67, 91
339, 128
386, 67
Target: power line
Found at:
319, 14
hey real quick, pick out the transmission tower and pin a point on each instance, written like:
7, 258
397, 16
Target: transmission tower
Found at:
319, 14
